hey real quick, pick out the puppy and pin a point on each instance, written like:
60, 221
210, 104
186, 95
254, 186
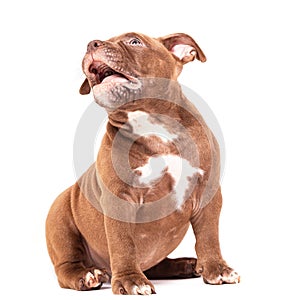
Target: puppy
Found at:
157, 171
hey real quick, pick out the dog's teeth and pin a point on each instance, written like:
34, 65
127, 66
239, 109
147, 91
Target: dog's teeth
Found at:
108, 73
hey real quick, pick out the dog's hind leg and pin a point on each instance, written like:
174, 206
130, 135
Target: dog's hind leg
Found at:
73, 266
173, 268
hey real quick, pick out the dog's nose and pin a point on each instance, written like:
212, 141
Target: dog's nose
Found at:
93, 45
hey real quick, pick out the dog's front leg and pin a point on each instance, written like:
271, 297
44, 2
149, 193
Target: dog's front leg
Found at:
210, 264
127, 277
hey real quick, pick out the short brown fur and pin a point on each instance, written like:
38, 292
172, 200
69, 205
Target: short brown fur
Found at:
82, 239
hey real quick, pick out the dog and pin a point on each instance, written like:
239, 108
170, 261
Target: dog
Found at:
157, 171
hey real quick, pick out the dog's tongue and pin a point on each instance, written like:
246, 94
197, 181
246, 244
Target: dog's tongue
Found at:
114, 78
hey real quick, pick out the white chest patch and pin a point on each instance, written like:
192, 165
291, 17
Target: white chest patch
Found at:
142, 125
180, 169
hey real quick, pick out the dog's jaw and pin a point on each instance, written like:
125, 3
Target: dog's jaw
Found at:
112, 85
115, 91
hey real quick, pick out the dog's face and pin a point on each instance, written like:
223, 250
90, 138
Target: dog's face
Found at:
115, 68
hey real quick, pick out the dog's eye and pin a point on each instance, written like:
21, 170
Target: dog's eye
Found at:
135, 42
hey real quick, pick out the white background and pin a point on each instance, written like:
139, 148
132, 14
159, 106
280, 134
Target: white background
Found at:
251, 82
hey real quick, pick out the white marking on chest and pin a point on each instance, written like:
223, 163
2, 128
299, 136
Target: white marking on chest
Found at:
179, 168
143, 125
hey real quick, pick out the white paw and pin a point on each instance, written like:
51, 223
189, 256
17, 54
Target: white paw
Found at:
144, 289
93, 280
232, 277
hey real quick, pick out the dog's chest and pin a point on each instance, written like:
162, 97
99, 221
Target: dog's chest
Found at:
159, 132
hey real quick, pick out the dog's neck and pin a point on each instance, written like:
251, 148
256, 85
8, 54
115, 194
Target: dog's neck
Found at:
153, 124
137, 121
157, 95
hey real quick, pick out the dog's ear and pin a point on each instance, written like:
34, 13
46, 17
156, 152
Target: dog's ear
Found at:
183, 47
85, 88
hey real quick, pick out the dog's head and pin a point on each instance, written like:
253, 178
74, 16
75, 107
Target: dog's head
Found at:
115, 68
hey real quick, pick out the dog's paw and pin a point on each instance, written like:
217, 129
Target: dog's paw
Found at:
218, 273
93, 279
227, 276
133, 284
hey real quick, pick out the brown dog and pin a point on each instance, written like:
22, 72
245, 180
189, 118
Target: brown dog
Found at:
156, 172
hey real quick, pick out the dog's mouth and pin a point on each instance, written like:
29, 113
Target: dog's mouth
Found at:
104, 74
